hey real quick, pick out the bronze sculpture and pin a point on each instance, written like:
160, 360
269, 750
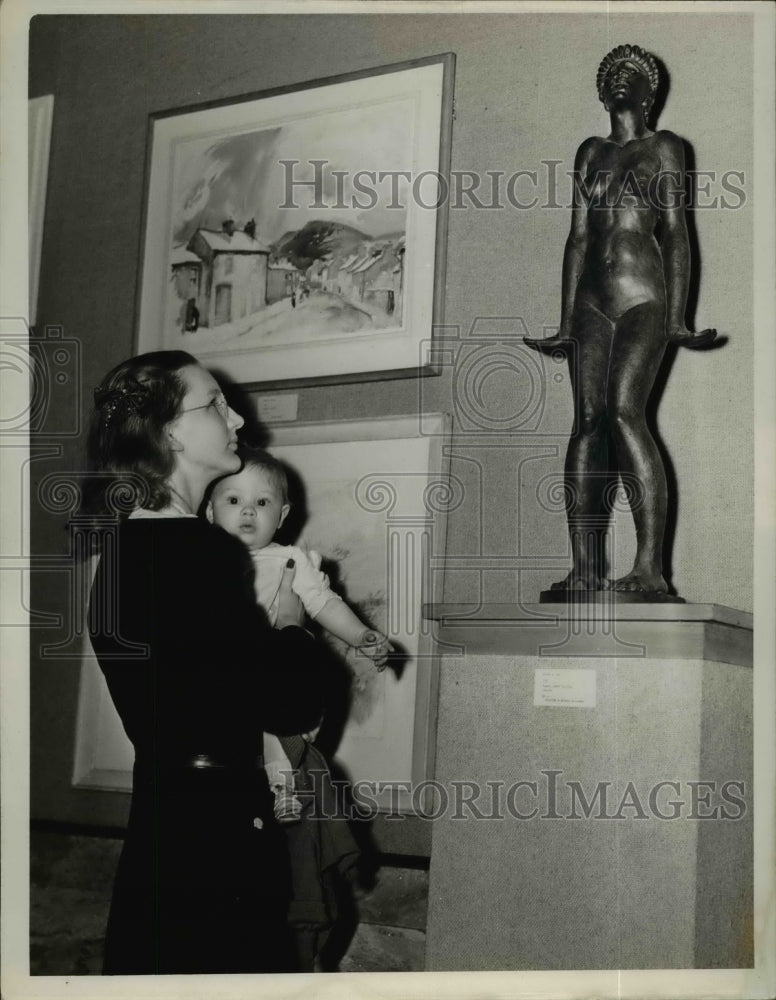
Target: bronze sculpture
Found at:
626, 272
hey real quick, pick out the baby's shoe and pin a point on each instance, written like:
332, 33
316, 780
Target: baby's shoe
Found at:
287, 808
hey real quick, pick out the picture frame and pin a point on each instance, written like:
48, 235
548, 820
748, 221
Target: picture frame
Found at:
384, 519
298, 235
40, 117
380, 526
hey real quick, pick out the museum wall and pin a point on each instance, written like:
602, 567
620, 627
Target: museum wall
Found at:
524, 97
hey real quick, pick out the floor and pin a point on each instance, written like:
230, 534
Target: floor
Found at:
71, 877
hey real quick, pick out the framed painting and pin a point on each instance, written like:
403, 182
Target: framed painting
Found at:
41, 114
374, 501
298, 235
371, 496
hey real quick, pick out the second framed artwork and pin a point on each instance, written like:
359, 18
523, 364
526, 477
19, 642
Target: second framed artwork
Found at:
375, 495
299, 234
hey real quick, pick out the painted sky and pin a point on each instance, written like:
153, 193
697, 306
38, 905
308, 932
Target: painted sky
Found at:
242, 177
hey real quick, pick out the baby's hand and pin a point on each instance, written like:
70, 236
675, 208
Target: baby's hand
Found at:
290, 610
376, 646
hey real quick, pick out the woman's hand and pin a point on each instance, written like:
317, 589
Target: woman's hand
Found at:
290, 610
313, 734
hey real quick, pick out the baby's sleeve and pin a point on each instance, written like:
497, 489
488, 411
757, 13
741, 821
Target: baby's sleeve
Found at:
310, 584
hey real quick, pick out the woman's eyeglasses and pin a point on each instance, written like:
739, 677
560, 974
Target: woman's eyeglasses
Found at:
218, 403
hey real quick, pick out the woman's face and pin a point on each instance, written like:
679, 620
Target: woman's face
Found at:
204, 434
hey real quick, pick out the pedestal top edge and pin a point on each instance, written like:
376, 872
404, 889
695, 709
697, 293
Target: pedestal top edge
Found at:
459, 615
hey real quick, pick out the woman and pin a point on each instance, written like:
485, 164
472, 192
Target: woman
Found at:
625, 279
195, 673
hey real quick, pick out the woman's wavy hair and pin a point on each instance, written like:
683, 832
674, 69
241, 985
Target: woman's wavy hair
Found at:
129, 454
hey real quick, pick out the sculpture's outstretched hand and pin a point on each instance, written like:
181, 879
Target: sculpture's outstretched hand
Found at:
561, 341
682, 337
547, 344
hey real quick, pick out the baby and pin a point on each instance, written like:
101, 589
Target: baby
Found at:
252, 505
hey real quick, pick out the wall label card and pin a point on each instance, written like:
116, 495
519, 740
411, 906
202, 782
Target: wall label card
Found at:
565, 688
279, 408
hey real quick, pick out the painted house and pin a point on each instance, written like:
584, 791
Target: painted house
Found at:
377, 276
332, 280
234, 273
399, 250
351, 285
187, 269
359, 273
282, 280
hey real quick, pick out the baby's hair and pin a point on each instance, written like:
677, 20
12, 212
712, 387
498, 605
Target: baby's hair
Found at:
257, 458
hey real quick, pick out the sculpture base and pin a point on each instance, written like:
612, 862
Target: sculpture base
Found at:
607, 597
540, 858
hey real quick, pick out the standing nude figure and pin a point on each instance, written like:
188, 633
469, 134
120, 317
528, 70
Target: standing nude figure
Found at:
625, 280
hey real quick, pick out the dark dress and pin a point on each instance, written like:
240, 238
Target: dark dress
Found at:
200, 887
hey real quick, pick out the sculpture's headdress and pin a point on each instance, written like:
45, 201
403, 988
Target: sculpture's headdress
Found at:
643, 60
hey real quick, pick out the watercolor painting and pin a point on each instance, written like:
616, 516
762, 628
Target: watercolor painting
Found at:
323, 269
295, 235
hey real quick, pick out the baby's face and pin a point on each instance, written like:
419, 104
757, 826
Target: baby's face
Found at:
249, 506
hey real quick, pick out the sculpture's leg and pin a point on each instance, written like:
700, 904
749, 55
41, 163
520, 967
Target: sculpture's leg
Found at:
587, 457
637, 350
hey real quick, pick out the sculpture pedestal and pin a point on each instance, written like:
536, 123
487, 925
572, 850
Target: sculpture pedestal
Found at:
590, 859
606, 597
